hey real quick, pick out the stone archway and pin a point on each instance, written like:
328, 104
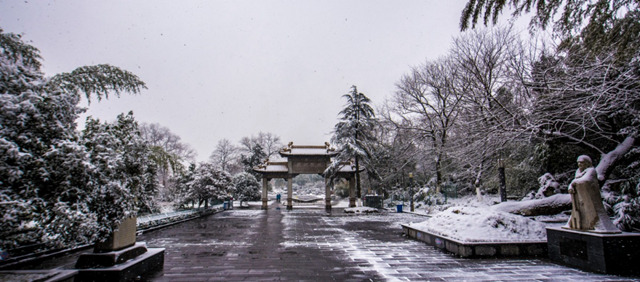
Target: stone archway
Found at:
305, 159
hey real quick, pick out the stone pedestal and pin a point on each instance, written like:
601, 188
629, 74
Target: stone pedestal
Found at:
119, 258
129, 270
108, 259
595, 252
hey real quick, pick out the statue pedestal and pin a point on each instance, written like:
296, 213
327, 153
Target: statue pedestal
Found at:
596, 252
119, 258
123, 267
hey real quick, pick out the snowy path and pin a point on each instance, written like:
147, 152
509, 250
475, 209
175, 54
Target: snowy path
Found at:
309, 244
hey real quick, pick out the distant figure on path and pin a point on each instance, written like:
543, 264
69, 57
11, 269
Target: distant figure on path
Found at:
588, 213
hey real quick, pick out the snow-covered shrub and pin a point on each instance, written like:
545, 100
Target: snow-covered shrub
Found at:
622, 195
421, 194
627, 214
247, 187
548, 186
624, 205
429, 197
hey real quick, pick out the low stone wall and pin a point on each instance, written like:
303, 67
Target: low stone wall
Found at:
161, 222
148, 225
478, 249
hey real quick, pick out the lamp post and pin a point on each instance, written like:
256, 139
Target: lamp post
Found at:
411, 189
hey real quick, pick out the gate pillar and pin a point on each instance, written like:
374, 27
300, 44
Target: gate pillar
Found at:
265, 197
352, 192
289, 193
327, 196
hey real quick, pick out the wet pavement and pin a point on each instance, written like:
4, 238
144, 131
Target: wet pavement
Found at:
313, 245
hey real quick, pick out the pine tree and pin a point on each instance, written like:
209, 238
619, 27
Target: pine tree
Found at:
254, 158
352, 133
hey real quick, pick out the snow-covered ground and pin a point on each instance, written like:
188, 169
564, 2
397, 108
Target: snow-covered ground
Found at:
361, 210
472, 220
465, 219
473, 224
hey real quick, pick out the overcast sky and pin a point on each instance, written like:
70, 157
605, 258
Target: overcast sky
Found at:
228, 69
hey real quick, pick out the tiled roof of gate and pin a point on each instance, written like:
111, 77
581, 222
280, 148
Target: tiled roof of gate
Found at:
308, 150
271, 167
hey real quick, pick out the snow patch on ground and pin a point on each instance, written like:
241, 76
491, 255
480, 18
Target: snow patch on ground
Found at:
342, 203
470, 224
395, 221
361, 210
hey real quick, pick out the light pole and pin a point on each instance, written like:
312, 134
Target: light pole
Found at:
411, 189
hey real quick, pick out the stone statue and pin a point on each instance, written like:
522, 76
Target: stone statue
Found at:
588, 213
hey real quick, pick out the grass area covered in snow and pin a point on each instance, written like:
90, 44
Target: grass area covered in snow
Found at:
481, 224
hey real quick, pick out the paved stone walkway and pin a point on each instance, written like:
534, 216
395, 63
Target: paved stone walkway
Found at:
312, 245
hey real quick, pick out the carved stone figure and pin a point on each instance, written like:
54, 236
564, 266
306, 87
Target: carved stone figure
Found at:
588, 213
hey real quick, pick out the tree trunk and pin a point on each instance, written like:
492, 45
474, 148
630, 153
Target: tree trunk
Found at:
438, 174
503, 183
358, 194
607, 160
477, 183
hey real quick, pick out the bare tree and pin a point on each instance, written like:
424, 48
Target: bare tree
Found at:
428, 102
158, 135
269, 142
496, 106
590, 102
225, 156
393, 152
168, 152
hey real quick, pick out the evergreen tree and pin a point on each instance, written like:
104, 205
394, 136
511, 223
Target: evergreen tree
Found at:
183, 191
247, 187
600, 25
125, 164
47, 179
210, 183
254, 158
352, 133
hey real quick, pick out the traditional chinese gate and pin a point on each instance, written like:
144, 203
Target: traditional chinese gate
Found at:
305, 160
